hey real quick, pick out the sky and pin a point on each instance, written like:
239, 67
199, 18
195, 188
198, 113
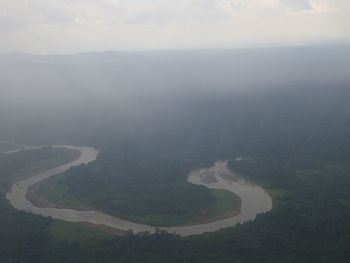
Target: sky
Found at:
72, 26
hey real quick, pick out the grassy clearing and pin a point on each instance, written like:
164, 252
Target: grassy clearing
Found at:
225, 201
277, 194
76, 232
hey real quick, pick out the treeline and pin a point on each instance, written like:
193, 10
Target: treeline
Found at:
23, 236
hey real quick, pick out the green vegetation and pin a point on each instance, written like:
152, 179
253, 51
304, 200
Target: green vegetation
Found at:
297, 144
23, 164
53, 190
24, 237
143, 181
277, 194
224, 201
73, 232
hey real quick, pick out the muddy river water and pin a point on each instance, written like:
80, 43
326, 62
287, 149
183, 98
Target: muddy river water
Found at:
254, 199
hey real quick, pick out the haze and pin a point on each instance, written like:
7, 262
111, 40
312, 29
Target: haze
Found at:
61, 27
57, 98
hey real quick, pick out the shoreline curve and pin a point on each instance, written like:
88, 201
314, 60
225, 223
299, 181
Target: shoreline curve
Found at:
254, 199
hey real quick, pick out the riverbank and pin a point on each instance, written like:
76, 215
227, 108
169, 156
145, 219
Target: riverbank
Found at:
226, 204
254, 200
19, 164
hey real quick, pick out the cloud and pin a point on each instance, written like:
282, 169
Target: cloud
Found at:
83, 25
16, 14
297, 4
162, 12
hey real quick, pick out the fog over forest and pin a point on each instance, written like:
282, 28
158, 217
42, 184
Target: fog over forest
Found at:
94, 96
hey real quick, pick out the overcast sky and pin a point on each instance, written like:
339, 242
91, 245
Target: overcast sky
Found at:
69, 26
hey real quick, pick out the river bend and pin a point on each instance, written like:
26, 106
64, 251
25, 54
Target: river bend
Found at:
254, 199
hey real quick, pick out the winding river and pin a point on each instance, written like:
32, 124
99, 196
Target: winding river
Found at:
254, 199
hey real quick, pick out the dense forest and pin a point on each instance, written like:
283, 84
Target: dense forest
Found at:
296, 139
